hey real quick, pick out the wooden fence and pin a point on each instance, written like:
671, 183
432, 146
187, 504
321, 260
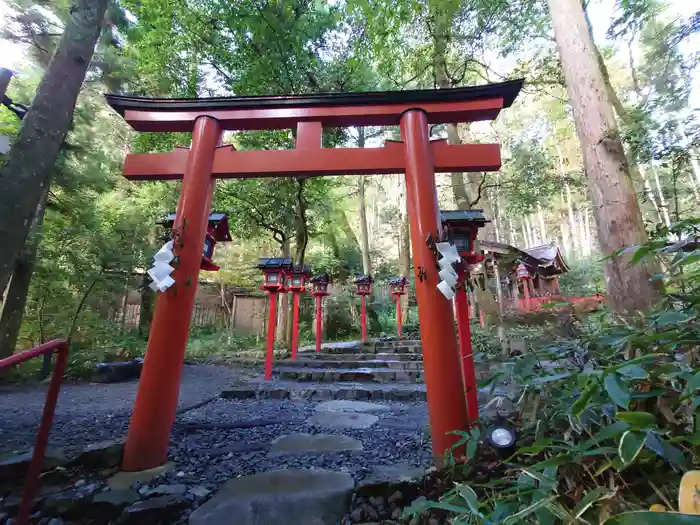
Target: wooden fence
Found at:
246, 314
241, 312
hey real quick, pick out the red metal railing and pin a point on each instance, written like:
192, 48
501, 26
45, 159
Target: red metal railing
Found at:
31, 484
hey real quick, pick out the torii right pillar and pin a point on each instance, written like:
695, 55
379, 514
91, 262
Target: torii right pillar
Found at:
443, 380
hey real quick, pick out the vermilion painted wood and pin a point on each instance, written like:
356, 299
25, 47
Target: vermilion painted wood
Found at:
363, 317
271, 326
447, 408
466, 353
32, 481
156, 402
295, 324
319, 322
399, 320
309, 135
332, 116
229, 163
157, 397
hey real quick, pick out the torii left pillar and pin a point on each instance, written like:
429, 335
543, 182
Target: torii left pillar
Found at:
157, 397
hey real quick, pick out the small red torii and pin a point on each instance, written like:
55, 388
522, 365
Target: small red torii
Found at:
206, 160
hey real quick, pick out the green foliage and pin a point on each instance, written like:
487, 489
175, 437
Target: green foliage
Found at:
608, 421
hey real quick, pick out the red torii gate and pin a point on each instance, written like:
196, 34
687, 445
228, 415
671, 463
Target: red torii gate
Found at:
206, 160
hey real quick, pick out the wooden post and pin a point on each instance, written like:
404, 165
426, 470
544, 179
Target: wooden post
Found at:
271, 327
497, 276
296, 296
399, 319
466, 352
319, 322
156, 401
447, 408
363, 317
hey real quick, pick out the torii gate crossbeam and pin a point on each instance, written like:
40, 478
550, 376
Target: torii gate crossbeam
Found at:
206, 160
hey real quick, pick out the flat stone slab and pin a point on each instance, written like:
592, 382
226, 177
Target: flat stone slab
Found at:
314, 444
393, 474
124, 480
376, 375
342, 420
282, 497
350, 406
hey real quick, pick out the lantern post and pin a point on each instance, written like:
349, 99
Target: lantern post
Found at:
462, 227
274, 274
296, 284
217, 231
398, 288
524, 277
320, 290
364, 288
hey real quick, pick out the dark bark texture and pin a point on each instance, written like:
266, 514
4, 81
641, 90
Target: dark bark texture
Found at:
27, 172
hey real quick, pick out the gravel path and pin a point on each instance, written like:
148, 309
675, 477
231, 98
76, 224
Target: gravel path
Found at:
199, 460
87, 413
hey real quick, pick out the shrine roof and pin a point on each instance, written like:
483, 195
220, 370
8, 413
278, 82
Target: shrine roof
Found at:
274, 263
463, 215
506, 90
546, 259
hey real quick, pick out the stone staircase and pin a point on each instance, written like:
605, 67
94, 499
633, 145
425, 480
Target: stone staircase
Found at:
362, 371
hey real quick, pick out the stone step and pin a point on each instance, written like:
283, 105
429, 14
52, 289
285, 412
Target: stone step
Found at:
286, 389
373, 349
324, 356
351, 363
386, 392
372, 375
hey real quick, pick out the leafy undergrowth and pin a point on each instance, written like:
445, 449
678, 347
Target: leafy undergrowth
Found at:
608, 421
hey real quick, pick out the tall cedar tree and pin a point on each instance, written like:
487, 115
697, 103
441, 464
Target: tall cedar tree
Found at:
615, 205
27, 172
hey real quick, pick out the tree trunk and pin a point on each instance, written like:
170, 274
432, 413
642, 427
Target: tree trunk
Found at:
566, 239
587, 231
526, 239
540, 219
284, 328
146, 308
18, 291
693, 154
530, 233
617, 213
27, 173
511, 232
662, 200
364, 233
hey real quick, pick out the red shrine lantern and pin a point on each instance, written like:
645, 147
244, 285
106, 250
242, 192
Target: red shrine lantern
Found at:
320, 285
320, 290
296, 285
398, 288
275, 272
217, 230
363, 284
522, 272
296, 278
398, 285
462, 227
364, 288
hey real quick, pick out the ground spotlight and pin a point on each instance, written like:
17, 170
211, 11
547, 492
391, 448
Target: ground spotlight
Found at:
502, 437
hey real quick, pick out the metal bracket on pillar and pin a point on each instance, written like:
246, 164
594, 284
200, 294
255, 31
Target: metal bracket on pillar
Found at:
432, 246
